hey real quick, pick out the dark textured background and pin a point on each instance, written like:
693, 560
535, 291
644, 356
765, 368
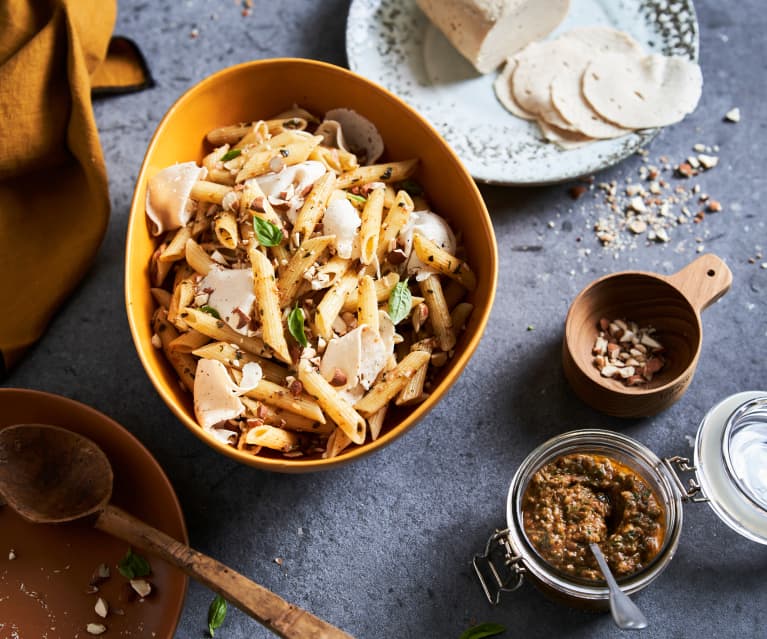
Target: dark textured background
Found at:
383, 547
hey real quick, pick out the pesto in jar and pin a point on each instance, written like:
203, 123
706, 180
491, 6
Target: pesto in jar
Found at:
582, 498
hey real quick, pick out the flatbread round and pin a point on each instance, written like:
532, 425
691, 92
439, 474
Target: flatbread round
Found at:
641, 93
503, 92
537, 65
604, 39
566, 95
562, 138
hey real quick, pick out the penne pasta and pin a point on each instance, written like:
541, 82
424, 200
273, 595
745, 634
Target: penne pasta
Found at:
393, 223
303, 258
285, 149
271, 437
383, 288
198, 258
367, 306
439, 259
331, 304
412, 392
439, 314
391, 383
219, 330
284, 398
205, 191
338, 409
370, 227
225, 228
268, 304
183, 363
234, 357
389, 172
313, 208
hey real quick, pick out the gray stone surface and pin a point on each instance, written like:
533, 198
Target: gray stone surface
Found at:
383, 547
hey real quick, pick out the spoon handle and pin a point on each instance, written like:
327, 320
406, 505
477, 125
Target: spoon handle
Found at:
271, 610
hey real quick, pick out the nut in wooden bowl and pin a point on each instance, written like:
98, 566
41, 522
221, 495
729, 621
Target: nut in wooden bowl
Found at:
671, 305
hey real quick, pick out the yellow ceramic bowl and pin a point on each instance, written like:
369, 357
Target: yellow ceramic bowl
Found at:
257, 90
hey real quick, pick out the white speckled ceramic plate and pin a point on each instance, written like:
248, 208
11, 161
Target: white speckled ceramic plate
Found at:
393, 43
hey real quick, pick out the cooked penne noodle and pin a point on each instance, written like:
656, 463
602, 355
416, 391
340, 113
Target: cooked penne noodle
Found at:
230, 355
337, 408
227, 134
439, 314
313, 208
159, 270
393, 223
439, 259
383, 288
183, 363
460, 314
219, 330
285, 149
412, 392
161, 296
367, 306
389, 172
176, 249
371, 226
337, 443
183, 294
188, 342
303, 258
376, 422
257, 133
225, 228
331, 304
198, 258
391, 383
284, 398
336, 160
273, 438
206, 191
253, 198
268, 304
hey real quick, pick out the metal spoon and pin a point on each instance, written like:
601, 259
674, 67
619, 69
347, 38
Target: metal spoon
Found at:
52, 475
624, 611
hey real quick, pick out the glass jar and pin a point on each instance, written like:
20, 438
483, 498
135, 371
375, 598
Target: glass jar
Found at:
730, 473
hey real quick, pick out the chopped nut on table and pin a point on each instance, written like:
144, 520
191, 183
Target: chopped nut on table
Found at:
626, 351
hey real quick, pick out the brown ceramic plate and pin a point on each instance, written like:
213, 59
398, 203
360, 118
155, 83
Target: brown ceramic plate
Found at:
43, 590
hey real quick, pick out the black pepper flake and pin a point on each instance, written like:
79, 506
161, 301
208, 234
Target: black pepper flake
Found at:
386, 174
284, 153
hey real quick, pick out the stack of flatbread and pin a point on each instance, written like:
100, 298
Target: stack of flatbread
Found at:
595, 83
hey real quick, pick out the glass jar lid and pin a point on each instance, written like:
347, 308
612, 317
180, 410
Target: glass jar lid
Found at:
731, 462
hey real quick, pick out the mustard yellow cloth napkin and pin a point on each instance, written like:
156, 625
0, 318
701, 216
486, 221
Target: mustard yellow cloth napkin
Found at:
54, 201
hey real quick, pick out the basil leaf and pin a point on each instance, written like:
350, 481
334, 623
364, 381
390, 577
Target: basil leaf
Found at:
216, 614
230, 155
210, 311
296, 326
483, 630
400, 301
356, 198
133, 565
267, 233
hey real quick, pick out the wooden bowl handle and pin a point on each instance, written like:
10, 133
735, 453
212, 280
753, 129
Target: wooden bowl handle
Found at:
271, 610
703, 281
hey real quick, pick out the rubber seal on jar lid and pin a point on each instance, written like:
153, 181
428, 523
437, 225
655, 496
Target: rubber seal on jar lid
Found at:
731, 462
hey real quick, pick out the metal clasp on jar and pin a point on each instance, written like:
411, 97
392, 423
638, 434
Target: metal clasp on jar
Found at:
692, 490
499, 569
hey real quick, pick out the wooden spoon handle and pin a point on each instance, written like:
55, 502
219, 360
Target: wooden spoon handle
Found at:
703, 281
282, 618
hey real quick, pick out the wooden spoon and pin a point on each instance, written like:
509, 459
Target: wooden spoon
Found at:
672, 304
52, 475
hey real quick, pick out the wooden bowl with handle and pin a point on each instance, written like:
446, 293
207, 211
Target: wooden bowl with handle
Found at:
671, 304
